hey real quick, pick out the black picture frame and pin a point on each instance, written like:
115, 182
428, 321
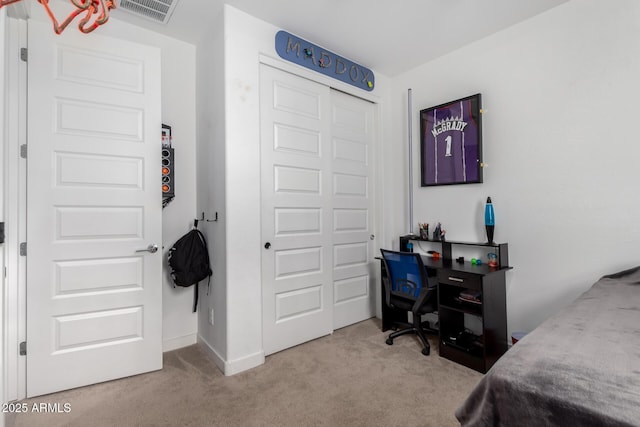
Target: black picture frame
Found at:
451, 142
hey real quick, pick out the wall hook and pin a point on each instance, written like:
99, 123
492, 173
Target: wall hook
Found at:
195, 223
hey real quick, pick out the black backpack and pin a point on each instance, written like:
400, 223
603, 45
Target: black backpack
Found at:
189, 261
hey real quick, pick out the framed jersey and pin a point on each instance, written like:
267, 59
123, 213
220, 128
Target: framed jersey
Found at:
451, 142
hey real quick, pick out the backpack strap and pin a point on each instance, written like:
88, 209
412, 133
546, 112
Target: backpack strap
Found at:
195, 297
197, 285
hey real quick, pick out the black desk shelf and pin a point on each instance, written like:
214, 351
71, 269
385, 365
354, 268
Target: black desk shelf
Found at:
501, 249
475, 311
452, 278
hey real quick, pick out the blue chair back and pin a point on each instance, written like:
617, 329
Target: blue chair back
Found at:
406, 273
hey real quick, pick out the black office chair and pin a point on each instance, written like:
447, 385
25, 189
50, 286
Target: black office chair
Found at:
407, 288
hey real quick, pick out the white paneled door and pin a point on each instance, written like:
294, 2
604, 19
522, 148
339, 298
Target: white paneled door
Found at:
353, 240
94, 309
296, 210
316, 209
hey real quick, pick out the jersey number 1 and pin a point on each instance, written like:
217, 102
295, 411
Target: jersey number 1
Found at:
448, 150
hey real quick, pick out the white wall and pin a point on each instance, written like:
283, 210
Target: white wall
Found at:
211, 182
244, 38
561, 90
247, 41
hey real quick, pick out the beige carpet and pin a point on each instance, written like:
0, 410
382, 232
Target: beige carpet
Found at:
351, 378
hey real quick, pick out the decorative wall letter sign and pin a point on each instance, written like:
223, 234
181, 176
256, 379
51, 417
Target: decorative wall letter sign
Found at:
315, 58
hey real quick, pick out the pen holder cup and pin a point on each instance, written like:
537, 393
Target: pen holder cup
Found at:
493, 259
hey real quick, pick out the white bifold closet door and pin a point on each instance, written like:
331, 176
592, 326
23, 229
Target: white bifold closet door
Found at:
94, 303
316, 209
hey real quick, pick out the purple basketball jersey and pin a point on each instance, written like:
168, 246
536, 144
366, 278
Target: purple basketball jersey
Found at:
450, 150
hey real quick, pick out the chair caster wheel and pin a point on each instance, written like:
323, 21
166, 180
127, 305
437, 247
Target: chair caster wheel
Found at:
426, 351
389, 341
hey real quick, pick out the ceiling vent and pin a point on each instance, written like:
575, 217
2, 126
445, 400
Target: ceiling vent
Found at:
154, 10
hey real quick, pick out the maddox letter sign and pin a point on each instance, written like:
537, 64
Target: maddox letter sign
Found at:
315, 58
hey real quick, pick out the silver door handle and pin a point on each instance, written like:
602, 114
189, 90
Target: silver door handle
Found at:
153, 248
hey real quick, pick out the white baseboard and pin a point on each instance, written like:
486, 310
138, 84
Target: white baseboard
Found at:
179, 342
235, 366
213, 355
244, 363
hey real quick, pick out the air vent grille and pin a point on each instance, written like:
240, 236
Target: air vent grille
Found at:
155, 10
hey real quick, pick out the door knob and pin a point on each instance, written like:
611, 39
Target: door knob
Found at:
267, 245
153, 248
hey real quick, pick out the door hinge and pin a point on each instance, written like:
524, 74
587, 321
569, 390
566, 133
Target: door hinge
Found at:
23, 249
23, 348
23, 151
24, 53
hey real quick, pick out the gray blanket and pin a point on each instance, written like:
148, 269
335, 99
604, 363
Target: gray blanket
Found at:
580, 367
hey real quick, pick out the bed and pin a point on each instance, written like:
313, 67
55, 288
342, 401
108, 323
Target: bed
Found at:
580, 367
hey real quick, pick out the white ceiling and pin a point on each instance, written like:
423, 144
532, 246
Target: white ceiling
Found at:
390, 37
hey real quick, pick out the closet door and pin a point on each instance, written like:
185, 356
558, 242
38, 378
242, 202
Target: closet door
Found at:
296, 210
352, 138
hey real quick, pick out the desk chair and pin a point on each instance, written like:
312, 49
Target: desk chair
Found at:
407, 288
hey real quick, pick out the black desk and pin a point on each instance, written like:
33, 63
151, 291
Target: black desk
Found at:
452, 278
